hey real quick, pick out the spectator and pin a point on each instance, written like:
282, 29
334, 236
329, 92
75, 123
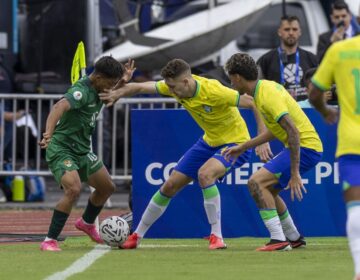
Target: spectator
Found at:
329, 96
342, 28
288, 63
6, 87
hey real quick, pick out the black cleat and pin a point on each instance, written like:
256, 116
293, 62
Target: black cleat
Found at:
300, 242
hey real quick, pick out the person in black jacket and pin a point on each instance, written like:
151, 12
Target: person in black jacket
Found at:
341, 20
287, 64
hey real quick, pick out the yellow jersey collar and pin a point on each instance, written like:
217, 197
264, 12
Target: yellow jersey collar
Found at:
197, 89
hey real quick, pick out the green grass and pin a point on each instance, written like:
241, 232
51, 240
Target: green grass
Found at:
172, 259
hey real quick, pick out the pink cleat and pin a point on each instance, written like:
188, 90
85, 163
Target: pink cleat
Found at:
216, 242
89, 230
50, 245
132, 242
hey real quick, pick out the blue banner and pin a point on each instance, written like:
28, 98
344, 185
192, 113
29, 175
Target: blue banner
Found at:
161, 137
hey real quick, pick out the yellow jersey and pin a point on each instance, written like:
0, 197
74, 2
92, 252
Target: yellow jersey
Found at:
214, 107
341, 65
273, 102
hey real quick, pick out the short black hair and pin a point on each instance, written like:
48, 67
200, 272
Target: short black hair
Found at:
109, 67
289, 18
174, 68
243, 65
340, 5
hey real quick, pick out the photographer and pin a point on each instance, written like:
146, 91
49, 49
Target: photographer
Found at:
341, 20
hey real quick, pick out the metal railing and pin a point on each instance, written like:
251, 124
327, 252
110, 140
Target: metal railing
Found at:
26, 160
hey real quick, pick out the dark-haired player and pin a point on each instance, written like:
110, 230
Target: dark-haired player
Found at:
285, 121
67, 140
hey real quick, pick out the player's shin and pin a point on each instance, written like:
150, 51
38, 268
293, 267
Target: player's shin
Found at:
91, 212
212, 206
288, 226
153, 211
353, 232
58, 221
272, 222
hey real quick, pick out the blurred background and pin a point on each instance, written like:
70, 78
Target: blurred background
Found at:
38, 40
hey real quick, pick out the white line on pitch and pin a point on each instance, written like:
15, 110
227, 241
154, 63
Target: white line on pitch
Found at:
81, 264
167, 245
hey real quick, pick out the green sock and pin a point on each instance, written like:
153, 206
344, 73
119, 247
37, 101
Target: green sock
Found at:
57, 224
91, 212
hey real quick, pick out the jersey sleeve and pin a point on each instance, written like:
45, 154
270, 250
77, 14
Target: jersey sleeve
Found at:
77, 97
223, 95
230, 97
162, 88
324, 76
275, 110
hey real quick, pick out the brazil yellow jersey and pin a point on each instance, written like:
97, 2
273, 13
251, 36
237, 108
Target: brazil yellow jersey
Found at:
273, 102
215, 109
341, 65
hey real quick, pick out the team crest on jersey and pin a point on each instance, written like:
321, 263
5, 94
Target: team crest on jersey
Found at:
67, 163
77, 95
208, 109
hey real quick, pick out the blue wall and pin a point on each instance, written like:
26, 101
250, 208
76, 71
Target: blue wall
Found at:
161, 137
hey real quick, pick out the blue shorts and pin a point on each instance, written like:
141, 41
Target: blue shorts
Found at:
349, 167
280, 165
201, 152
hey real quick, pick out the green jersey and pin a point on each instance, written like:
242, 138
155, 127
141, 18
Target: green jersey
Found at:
76, 126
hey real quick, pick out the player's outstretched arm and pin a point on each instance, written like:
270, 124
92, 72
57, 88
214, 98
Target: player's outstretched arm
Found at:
263, 150
316, 98
54, 116
295, 184
109, 97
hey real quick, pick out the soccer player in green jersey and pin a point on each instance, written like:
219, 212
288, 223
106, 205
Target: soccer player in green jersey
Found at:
67, 140
215, 109
341, 65
285, 121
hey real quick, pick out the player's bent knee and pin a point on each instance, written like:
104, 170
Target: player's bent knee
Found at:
205, 179
110, 188
73, 193
253, 186
169, 188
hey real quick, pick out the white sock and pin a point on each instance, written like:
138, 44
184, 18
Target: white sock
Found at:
272, 222
48, 239
289, 227
153, 211
353, 232
212, 204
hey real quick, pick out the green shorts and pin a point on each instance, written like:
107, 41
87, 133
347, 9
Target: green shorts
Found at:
60, 159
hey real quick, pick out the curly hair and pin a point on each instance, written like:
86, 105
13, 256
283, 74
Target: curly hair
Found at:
174, 68
243, 65
109, 67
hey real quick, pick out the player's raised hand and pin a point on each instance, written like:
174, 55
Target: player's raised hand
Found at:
264, 152
129, 71
296, 187
232, 153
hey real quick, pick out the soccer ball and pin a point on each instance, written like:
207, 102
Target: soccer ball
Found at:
114, 231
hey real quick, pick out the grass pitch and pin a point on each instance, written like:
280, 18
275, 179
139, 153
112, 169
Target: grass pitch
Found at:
324, 258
